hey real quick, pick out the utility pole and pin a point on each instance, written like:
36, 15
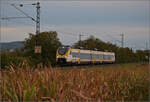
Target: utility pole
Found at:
38, 18
37, 21
122, 40
37, 48
80, 35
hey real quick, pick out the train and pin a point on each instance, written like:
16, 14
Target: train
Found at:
69, 55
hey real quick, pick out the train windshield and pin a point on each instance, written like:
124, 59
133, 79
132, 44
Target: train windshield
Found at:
62, 50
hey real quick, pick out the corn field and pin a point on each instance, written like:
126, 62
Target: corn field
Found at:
113, 83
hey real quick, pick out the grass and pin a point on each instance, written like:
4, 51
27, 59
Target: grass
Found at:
127, 82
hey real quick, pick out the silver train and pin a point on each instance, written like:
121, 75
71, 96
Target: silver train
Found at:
66, 55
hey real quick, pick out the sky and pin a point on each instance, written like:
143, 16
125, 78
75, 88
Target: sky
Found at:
106, 20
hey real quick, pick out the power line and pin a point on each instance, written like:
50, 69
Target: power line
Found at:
135, 45
7, 18
27, 16
37, 21
80, 35
113, 38
68, 33
23, 11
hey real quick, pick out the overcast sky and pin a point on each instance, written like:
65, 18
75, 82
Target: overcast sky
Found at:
103, 19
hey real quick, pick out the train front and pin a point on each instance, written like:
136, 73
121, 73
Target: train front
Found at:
62, 55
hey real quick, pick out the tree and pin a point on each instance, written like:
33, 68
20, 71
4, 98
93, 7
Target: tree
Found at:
142, 55
49, 43
123, 55
92, 42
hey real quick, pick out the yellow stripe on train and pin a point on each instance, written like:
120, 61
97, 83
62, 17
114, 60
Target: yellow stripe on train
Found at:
93, 60
79, 61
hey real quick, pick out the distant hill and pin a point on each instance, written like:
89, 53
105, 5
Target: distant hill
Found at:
12, 45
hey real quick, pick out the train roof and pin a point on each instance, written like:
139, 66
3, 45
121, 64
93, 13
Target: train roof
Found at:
88, 51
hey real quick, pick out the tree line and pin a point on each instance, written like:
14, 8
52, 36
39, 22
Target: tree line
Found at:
50, 42
123, 55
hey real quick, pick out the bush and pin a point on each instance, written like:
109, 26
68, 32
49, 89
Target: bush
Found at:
49, 43
7, 59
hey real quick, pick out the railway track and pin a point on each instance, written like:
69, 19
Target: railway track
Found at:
84, 66
95, 65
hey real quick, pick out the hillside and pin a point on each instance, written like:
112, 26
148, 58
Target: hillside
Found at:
12, 45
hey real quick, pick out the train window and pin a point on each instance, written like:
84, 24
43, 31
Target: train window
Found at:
70, 52
75, 54
96, 56
101, 56
112, 56
62, 50
106, 57
84, 55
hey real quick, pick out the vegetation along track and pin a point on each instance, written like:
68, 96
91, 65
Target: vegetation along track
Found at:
119, 82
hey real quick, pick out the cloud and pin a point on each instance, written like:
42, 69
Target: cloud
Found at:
69, 34
103, 19
18, 33
134, 35
84, 12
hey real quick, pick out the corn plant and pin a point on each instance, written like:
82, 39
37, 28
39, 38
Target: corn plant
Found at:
97, 83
